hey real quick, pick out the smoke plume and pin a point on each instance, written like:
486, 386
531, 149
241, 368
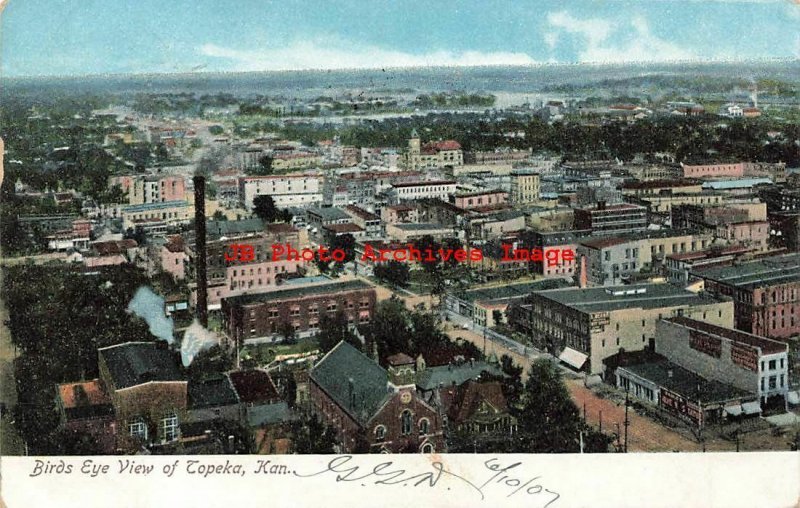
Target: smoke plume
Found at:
150, 307
196, 339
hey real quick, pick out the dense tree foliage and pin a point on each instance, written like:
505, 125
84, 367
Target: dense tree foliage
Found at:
58, 318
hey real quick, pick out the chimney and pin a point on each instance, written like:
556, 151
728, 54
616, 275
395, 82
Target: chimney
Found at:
583, 277
200, 247
351, 388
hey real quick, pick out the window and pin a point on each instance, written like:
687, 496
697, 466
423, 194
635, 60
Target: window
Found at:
380, 432
781, 362
406, 422
138, 429
169, 427
782, 380
427, 448
772, 382
423, 426
772, 365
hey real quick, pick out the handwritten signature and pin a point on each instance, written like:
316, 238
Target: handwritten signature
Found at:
346, 469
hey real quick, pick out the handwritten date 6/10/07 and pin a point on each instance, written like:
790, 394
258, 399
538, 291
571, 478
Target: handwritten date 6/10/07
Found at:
501, 481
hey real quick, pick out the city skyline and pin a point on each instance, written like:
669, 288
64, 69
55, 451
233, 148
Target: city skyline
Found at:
53, 39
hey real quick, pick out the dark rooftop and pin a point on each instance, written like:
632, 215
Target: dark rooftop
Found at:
686, 383
510, 291
299, 292
211, 392
357, 384
136, 363
254, 386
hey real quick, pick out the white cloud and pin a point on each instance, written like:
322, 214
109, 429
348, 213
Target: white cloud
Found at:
594, 30
640, 46
326, 54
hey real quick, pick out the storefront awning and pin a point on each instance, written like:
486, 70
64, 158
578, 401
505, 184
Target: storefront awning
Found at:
751, 408
573, 358
734, 410
793, 397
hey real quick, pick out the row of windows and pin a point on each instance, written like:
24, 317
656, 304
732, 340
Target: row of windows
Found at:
168, 428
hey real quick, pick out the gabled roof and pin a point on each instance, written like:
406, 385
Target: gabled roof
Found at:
469, 396
136, 363
357, 384
447, 375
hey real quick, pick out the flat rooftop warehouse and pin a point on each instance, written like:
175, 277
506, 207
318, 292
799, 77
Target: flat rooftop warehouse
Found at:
299, 292
767, 271
645, 296
686, 383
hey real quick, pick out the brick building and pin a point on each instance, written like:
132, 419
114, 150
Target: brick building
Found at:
148, 391
258, 317
374, 409
583, 326
765, 294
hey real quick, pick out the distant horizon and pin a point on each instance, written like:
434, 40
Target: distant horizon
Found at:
643, 63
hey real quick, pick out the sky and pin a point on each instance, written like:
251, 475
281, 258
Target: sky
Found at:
79, 37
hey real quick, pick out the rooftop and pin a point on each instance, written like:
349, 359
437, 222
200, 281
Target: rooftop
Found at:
212, 392
424, 183
606, 299
509, 291
447, 375
767, 346
343, 228
361, 213
154, 206
662, 184
218, 228
254, 386
686, 383
739, 183
760, 273
298, 292
357, 384
420, 226
330, 213
135, 363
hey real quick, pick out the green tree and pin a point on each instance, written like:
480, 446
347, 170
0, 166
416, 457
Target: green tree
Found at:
264, 208
334, 330
394, 272
549, 421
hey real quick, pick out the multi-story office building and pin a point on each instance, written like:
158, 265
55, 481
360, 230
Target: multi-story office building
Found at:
286, 190
583, 326
603, 219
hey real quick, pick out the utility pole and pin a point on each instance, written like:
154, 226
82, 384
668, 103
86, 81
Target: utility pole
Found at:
601, 421
627, 422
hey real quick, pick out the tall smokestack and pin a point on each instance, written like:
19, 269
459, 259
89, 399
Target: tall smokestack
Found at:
200, 248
